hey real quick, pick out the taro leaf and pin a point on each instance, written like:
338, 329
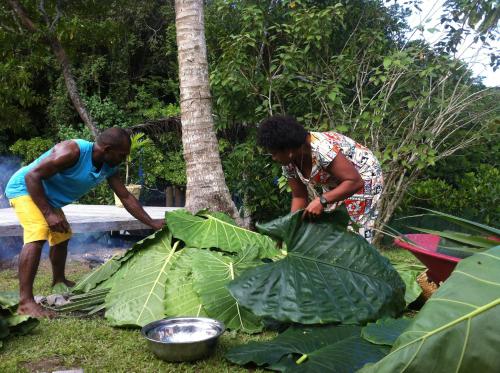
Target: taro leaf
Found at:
138, 298
180, 297
409, 274
336, 348
458, 329
61, 288
9, 300
97, 276
385, 331
21, 324
108, 269
329, 275
208, 230
212, 272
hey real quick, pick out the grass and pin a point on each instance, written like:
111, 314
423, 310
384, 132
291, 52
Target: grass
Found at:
89, 343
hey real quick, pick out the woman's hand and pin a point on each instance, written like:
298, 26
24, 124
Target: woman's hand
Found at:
313, 210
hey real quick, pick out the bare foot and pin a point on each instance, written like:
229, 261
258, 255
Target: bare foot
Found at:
35, 310
66, 282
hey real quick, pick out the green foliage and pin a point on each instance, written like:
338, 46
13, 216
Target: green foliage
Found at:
29, 150
342, 65
340, 348
354, 282
458, 326
251, 175
475, 195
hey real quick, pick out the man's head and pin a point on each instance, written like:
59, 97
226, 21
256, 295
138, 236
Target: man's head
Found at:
115, 145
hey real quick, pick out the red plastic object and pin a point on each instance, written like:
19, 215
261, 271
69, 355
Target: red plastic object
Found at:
424, 247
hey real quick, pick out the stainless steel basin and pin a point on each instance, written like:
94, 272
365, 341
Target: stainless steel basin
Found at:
183, 338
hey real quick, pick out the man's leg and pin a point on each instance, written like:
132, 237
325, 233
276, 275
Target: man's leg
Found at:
58, 254
28, 266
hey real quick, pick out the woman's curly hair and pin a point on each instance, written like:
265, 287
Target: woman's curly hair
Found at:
281, 132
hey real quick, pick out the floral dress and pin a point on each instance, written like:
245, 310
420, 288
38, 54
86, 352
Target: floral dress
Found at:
363, 205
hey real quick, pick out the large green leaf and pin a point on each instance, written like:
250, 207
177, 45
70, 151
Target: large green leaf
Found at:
323, 348
138, 298
181, 299
109, 268
97, 276
409, 274
212, 272
468, 224
458, 329
208, 230
478, 242
329, 275
385, 331
9, 300
21, 324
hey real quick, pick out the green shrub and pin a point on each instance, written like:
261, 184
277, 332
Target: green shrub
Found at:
475, 196
29, 150
252, 177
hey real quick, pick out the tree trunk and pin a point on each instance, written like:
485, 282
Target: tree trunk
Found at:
63, 60
206, 185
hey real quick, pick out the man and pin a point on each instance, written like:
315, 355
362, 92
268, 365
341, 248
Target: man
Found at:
57, 178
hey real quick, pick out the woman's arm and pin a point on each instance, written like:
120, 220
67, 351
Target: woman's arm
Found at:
349, 182
348, 178
299, 194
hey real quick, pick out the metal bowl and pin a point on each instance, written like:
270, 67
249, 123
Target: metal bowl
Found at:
183, 338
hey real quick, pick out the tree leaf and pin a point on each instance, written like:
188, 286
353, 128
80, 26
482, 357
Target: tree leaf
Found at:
329, 275
212, 271
209, 230
458, 329
385, 331
181, 299
340, 348
138, 298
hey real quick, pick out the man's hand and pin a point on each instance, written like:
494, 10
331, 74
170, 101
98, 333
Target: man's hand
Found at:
57, 223
314, 209
157, 224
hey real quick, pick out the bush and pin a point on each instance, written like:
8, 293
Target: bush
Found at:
475, 195
247, 172
29, 150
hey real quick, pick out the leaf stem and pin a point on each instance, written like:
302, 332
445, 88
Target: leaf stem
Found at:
301, 359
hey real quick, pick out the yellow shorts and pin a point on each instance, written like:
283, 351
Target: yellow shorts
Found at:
34, 224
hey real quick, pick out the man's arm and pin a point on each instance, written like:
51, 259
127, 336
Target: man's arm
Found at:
63, 156
131, 203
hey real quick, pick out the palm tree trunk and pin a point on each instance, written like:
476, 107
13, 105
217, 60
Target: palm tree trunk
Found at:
206, 185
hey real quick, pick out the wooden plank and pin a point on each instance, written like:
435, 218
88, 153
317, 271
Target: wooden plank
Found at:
88, 218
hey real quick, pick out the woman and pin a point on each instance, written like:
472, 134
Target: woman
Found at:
348, 172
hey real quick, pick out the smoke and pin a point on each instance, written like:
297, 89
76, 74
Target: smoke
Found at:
8, 166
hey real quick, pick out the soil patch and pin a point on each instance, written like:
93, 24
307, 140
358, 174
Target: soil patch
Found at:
48, 364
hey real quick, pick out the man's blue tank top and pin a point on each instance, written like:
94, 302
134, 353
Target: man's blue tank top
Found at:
66, 186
